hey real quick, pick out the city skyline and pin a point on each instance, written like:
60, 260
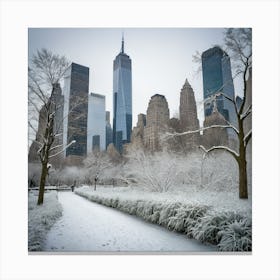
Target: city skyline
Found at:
161, 59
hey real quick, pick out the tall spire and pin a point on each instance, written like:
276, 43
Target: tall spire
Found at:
122, 43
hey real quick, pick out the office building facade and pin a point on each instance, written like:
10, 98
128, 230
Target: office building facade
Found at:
96, 136
157, 119
75, 91
188, 116
217, 77
122, 99
109, 130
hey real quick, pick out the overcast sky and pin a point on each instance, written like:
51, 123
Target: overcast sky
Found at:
161, 59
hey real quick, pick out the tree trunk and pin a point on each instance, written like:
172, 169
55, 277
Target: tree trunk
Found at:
242, 165
243, 188
44, 174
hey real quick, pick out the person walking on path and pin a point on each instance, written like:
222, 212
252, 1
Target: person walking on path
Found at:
73, 186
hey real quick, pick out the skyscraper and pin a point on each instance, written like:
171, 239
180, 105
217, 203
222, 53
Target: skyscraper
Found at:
109, 130
122, 99
53, 106
217, 77
75, 91
96, 137
188, 116
157, 120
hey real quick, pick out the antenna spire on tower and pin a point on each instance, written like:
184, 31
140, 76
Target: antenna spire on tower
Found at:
122, 43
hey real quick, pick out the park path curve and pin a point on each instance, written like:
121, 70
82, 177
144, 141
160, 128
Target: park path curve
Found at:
89, 227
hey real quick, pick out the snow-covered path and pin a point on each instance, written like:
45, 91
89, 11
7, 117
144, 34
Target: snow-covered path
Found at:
89, 227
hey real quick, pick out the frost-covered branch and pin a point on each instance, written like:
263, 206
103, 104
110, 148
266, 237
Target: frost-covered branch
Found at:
247, 137
68, 145
55, 147
168, 134
32, 127
246, 113
223, 148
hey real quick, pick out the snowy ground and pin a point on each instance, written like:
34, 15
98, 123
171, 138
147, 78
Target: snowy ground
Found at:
219, 200
89, 227
41, 218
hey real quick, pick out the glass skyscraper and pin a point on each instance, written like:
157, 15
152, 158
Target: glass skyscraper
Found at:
96, 138
75, 91
217, 77
122, 99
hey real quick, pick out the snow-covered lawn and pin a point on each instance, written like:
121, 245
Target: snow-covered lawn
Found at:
219, 218
41, 218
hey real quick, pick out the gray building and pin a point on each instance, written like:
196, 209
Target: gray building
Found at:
96, 136
53, 106
75, 91
188, 116
157, 120
109, 130
122, 99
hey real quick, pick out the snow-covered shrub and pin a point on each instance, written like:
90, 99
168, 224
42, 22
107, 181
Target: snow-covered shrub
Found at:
229, 230
154, 218
169, 211
34, 173
219, 172
153, 172
68, 175
41, 218
188, 169
237, 236
95, 165
186, 218
208, 228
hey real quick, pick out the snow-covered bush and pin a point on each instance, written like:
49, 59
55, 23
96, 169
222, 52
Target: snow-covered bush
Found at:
186, 218
41, 218
188, 170
95, 164
68, 175
34, 173
231, 231
167, 212
164, 171
219, 172
214, 226
237, 236
153, 172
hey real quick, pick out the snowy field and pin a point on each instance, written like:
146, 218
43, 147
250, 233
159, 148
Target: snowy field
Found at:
219, 200
90, 227
41, 218
220, 218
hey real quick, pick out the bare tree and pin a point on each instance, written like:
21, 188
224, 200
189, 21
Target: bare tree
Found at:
155, 172
96, 163
44, 74
238, 42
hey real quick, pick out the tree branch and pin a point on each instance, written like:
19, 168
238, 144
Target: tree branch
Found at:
247, 137
72, 142
246, 113
223, 148
168, 134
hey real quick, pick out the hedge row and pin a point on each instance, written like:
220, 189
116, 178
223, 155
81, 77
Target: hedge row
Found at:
230, 231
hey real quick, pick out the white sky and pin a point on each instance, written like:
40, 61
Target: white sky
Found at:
161, 59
